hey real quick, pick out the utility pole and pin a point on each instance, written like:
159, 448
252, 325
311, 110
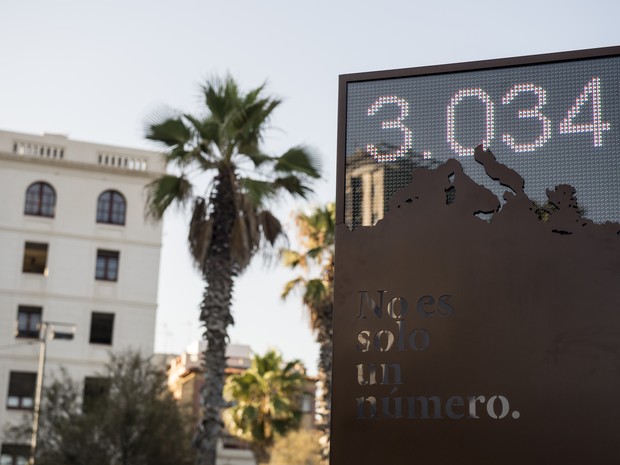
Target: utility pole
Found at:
47, 332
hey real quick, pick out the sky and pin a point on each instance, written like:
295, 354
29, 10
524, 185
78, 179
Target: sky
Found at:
95, 70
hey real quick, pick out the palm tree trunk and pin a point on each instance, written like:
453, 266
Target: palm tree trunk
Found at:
323, 402
215, 316
326, 349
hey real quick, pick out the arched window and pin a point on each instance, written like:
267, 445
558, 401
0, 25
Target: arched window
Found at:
40, 199
111, 208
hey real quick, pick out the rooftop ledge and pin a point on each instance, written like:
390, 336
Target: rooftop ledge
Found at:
59, 148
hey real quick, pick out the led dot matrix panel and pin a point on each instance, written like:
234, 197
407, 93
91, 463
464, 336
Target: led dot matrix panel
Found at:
554, 119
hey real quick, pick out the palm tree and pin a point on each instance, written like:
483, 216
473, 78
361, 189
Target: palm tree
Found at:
230, 221
265, 401
316, 237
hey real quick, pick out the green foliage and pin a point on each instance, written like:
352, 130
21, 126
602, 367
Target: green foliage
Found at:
264, 399
317, 237
131, 419
316, 259
297, 448
164, 191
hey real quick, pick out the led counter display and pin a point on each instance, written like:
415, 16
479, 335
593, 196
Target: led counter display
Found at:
476, 306
554, 123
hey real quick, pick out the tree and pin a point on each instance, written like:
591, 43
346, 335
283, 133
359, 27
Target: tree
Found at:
128, 417
230, 221
265, 401
297, 448
316, 236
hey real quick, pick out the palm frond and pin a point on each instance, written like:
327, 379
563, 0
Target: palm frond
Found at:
255, 116
165, 125
221, 96
299, 160
250, 217
167, 128
291, 285
315, 252
270, 226
257, 158
293, 259
253, 94
208, 136
200, 230
317, 229
259, 192
240, 247
315, 293
293, 185
163, 192
247, 125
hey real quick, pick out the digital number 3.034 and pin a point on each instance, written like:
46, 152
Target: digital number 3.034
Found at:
589, 98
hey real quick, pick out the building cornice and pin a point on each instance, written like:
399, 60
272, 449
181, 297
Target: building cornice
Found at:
78, 166
92, 300
83, 237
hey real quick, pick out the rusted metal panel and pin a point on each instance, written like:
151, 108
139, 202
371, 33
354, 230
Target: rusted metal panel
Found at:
477, 319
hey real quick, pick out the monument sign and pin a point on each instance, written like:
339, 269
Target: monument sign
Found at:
477, 312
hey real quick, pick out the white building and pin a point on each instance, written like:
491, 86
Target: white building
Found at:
74, 248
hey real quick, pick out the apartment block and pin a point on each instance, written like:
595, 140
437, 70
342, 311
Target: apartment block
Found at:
75, 252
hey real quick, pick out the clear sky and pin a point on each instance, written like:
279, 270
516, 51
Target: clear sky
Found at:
94, 71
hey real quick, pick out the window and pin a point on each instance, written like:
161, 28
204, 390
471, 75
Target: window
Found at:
111, 208
94, 390
28, 320
107, 265
14, 454
307, 401
40, 200
35, 258
22, 386
101, 328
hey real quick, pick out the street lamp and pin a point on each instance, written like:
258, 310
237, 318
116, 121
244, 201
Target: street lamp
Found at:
48, 330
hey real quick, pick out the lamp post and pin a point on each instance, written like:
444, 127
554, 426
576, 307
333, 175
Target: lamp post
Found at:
48, 330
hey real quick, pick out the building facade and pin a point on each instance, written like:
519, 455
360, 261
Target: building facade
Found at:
75, 252
369, 187
186, 374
